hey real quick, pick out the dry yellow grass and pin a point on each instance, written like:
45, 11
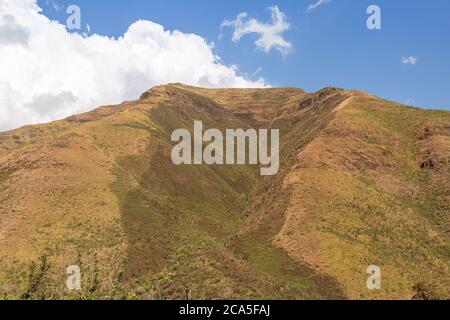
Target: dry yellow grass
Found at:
363, 181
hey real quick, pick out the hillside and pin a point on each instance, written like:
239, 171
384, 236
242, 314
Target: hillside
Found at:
362, 181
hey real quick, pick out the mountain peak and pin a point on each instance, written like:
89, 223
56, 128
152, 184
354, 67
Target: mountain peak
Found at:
365, 184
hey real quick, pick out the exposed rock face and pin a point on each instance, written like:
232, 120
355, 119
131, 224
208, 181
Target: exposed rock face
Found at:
434, 146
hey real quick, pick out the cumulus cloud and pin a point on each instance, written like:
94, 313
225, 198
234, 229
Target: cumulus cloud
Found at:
410, 60
270, 35
11, 32
314, 6
48, 73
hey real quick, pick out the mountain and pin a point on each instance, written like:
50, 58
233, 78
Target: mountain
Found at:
362, 181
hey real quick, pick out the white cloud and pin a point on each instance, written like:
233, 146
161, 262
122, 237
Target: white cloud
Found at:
11, 32
48, 73
269, 35
314, 6
257, 71
53, 5
410, 102
410, 60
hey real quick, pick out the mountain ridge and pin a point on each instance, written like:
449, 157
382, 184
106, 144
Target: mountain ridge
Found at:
363, 181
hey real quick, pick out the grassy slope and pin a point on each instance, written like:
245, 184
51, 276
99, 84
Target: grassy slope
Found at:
99, 190
360, 197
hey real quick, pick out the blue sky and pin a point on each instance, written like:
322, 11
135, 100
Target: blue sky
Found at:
331, 45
